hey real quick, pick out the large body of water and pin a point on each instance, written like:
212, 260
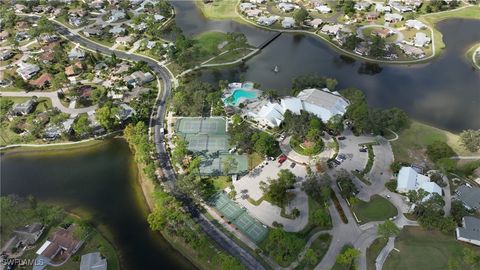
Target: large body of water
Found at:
100, 183
444, 92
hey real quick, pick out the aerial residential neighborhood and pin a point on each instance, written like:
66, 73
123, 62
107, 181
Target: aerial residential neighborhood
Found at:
249, 134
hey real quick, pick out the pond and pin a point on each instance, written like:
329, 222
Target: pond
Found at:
444, 92
100, 183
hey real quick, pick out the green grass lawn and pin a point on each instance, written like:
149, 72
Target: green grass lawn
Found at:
373, 250
221, 182
412, 142
425, 250
377, 209
209, 41
219, 9
320, 247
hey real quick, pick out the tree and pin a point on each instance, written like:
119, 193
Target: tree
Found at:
229, 165
300, 15
106, 117
317, 188
264, 144
321, 217
331, 83
470, 139
308, 81
458, 211
277, 189
310, 257
347, 256
438, 150
335, 124
81, 126
377, 48
5, 105
388, 229
180, 150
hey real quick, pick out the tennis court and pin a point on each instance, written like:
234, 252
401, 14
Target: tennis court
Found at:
201, 125
239, 217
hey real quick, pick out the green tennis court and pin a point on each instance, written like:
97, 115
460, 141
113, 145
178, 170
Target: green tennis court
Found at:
239, 217
198, 125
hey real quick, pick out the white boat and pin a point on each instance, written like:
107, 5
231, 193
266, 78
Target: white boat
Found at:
275, 69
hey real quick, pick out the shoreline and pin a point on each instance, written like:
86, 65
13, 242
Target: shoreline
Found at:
431, 19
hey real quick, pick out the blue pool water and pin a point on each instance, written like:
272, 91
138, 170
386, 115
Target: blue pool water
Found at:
238, 94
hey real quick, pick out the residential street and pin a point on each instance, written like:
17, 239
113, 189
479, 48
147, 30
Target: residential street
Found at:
55, 101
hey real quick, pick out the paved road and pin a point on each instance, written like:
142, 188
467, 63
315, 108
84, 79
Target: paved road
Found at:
158, 121
55, 101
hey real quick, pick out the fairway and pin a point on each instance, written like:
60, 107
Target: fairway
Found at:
425, 250
377, 209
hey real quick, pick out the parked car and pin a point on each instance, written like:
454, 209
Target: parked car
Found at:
342, 157
282, 159
271, 158
336, 162
362, 149
341, 138
293, 165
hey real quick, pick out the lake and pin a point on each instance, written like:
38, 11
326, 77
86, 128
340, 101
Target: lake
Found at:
99, 182
444, 92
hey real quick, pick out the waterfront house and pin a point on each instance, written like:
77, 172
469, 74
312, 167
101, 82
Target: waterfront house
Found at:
361, 49
288, 22
412, 51
315, 23
61, 245
124, 112
23, 237
421, 39
93, 261
331, 29
267, 21
415, 24
470, 231
469, 196
158, 18
253, 13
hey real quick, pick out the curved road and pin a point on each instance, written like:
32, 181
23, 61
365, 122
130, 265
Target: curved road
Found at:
158, 121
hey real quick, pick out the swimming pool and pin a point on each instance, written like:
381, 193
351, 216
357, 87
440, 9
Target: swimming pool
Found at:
239, 95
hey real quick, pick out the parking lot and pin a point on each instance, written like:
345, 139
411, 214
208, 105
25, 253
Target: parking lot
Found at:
265, 211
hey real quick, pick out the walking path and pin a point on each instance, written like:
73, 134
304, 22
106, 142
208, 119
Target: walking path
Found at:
55, 101
382, 256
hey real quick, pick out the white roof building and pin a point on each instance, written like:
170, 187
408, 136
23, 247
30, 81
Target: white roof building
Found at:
421, 39
267, 21
393, 17
408, 179
270, 114
323, 9
288, 22
323, 103
292, 104
332, 29
470, 230
247, 6
287, 7
415, 24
